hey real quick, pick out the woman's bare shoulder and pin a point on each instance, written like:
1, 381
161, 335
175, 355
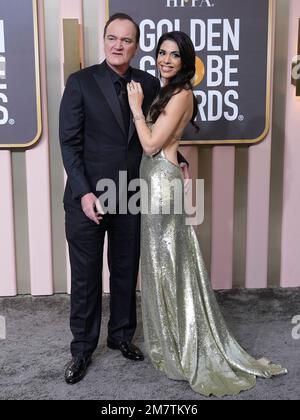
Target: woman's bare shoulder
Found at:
184, 94
181, 99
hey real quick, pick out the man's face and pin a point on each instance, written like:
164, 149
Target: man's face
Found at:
120, 44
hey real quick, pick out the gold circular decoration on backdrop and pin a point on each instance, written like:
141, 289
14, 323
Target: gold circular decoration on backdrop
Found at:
200, 72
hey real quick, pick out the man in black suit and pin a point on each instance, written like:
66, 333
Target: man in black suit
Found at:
98, 140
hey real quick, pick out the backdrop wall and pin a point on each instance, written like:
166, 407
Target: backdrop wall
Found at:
251, 233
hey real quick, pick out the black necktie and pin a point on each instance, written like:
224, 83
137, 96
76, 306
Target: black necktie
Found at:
123, 98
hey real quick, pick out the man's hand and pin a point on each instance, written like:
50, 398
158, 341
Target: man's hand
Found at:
92, 208
185, 172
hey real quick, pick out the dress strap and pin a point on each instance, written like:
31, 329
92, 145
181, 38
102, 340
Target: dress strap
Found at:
157, 153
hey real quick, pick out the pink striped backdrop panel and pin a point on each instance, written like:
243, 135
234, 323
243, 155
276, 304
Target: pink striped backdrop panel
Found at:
38, 192
222, 216
101, 19
290, 262
8, 283
258, 210
258, 215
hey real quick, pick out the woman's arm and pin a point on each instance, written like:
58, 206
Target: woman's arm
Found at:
167, 123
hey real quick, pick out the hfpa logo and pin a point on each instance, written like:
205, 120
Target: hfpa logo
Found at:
189, 3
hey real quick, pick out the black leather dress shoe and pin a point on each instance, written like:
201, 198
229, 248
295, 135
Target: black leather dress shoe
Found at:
76, 369
128, 350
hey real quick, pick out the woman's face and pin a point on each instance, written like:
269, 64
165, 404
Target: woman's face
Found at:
168, 60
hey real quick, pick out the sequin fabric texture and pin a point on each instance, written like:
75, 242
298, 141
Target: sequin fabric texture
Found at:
185, 333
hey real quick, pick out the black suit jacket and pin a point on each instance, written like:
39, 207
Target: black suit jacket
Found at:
92, 134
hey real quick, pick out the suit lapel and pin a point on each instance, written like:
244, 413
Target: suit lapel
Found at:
105, 84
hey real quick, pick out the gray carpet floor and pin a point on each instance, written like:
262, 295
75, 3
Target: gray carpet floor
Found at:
36, 349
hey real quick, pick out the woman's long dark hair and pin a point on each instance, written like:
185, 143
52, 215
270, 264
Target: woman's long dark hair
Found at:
182, 80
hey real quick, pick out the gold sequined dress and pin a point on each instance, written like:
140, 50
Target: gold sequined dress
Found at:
185, 333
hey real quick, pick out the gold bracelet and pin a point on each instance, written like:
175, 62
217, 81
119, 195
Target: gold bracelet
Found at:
138, 118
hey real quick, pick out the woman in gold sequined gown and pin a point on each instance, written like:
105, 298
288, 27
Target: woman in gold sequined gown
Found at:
185, 333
